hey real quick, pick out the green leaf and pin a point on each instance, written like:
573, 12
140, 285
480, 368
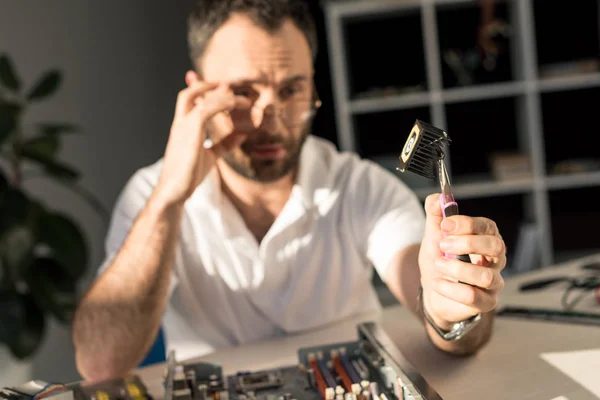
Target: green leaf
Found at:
30, 336
45, 86
67, 242
52, 288
8, 76
12, 315
9, 114
44, 146
16, 247
18, 232
57, 128
52, 167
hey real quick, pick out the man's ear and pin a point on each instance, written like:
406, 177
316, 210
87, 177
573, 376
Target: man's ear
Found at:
191, 77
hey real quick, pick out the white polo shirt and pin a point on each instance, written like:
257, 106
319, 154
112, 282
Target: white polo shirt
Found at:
313, 267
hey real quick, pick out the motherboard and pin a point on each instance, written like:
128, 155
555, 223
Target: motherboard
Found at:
371, 368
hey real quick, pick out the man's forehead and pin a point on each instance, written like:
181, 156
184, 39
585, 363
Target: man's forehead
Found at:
241, 50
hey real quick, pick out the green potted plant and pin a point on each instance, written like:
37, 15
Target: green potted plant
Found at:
43, 252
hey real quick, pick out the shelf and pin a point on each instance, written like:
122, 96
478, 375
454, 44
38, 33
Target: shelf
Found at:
363, 9
443, 3
454, 95
579, 81
482, 185
481, 189
463, 187
389, 103
482, 92
573, 181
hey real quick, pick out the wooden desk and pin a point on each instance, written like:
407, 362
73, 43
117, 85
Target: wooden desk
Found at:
508, 368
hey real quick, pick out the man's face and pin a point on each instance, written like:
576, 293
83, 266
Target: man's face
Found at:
274, 71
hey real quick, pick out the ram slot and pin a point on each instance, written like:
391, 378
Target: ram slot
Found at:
354, 376
327, 376
342, 373
321, 384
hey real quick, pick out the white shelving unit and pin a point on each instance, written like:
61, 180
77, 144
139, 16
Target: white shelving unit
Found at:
526, 89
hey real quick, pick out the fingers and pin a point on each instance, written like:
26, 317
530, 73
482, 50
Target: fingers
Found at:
457, 224
465, 225
433, 212
219, 100
470, 296
483, 277
186, 98
486, 245
226, 144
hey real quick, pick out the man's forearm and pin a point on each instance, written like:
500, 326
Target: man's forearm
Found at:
117, 320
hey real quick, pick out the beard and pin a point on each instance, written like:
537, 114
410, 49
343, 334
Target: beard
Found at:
241, 160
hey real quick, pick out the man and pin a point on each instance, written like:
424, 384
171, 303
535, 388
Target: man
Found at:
249, 227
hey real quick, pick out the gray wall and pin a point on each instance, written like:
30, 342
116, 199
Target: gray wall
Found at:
123, 62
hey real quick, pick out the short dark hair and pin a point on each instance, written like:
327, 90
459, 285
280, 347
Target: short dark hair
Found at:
209, 15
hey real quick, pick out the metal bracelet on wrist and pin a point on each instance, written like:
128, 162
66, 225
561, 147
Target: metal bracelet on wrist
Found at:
458, 330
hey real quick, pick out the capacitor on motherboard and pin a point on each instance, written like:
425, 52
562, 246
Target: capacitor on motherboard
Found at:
349, 396
202, 391
179, 381
329, 393
182, 394
366, 395
364, 384
355, 389
374, 389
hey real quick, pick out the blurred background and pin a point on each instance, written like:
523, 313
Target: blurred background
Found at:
516, 84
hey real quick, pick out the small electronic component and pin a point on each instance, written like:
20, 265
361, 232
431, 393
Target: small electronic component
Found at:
371, 368
128, 388
249, 381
